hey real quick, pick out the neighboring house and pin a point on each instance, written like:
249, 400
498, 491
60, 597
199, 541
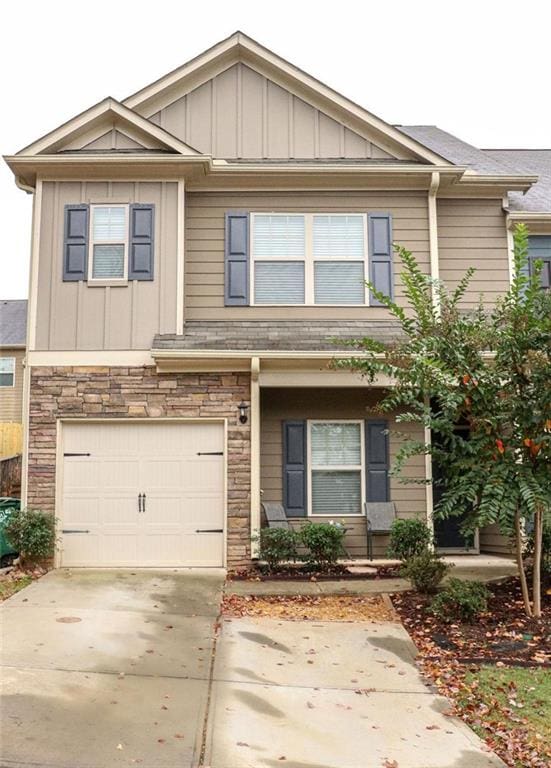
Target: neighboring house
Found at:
197, 262
13, 332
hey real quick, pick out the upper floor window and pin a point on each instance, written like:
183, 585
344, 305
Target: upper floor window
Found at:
108, 242
309, 258
539, 249
7, 371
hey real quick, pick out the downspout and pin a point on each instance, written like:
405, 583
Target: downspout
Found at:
435, 275
25, 187
255, 455
433, 232
26, 368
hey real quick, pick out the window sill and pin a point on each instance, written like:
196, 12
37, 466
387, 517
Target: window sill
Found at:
108, 283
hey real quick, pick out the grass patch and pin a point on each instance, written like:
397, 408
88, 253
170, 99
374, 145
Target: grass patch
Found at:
9, 587
518, 701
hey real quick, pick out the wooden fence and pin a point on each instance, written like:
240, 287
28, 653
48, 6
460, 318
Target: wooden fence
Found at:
10, 476
11, 438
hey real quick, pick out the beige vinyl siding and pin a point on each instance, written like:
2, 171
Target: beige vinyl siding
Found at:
78, 316
493, 542
204, 281
471, 233
278, 405
241, 113
11, 398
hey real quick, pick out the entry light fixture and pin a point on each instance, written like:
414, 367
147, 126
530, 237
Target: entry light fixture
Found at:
243, 408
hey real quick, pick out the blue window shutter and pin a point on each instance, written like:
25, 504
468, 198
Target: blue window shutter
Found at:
379, 234
236, 259
294, 468
377, 460
75, 243
142, 241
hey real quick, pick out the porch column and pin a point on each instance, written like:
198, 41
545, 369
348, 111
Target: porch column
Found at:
255, 454
428, 487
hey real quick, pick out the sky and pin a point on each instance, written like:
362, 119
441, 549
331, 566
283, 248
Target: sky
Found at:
478, 68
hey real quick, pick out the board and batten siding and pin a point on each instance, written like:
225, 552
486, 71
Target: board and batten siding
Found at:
204, 264
471, 233
79, 316
11, 398
278, 405
239, 113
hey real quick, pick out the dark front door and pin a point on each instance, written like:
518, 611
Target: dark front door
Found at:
447, 533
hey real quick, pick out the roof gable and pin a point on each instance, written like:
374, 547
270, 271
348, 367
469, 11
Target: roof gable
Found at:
102, 128
239, 66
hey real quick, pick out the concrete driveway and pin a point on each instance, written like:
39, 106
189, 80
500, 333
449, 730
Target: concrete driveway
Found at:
108, 668
115, 668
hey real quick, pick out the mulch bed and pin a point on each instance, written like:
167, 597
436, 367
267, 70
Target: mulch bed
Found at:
504, 634
298, 573
310, 608
450, 655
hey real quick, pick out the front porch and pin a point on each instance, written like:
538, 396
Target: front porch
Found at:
340, 460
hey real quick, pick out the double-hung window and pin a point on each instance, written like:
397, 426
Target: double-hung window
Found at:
7, 371
309, 258
108, 242
336, 467
539, 249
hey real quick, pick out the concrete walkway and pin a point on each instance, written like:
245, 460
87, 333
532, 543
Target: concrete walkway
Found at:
329, 695
470, 567
105, 669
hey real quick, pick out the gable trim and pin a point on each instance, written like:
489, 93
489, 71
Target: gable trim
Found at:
240, 47
84, 122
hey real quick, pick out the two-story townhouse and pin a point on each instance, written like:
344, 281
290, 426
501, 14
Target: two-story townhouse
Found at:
198, 259
13, 332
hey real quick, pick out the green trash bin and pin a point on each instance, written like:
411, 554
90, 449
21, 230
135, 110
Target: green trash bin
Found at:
7, 551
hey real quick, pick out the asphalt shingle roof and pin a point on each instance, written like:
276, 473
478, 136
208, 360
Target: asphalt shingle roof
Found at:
530, 162
536, 161
13, 322
292, 335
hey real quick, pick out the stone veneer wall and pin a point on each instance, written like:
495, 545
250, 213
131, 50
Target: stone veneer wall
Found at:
111, 392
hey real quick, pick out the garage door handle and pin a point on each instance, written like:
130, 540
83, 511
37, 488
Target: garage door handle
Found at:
77, 454
72, 530
139, 502
210, 453
209, 530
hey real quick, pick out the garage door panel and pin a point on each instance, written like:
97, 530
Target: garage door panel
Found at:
119, 549
81, 549
162, 473
184, 492
118, 511
204, 549
79, 511
200, 473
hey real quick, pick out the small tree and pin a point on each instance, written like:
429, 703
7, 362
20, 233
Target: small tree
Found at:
488, 370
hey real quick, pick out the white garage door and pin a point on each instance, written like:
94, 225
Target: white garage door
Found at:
142, 494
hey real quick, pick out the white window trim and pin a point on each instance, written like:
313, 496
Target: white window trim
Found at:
308, 259
12, 385
335, 467
92, 242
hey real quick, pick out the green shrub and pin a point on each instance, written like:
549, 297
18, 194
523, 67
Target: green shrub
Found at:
324, 543
277, 545
32, 533
460, 600
408, 538
425, 571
